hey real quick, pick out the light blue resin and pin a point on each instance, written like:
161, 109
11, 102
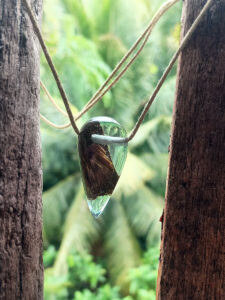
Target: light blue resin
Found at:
118, 153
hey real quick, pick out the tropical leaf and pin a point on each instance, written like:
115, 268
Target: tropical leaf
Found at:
122, 249
80, 232
55, 287
56, 202
163, 104
60, 158
49, 110
159, 163
150, 131
111, 48
53, 15
134, 176
84, 22
143, 210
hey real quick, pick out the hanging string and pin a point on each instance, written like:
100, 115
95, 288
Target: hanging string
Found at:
57, 107
169, 67
53, 124
107, 139
52, 67
100, 92
53, 101
145, 35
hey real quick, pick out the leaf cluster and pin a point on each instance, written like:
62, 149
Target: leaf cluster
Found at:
87, 279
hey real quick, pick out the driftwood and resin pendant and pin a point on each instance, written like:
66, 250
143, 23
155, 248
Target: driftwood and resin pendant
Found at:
101, 164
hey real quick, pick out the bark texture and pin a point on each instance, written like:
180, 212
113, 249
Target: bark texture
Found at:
20, 156
193, 237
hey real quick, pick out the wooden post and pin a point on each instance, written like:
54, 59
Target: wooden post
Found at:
20, 156
193, 238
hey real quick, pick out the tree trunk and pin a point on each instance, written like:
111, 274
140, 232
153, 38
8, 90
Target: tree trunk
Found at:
193, 238
20, 156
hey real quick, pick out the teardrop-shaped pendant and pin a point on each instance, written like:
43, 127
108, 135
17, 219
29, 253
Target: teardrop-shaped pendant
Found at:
101, 165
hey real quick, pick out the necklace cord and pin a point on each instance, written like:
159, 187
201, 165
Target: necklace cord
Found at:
145, 35
51, 65
98, 95
184, 42
169, 67
52, 100
101, 91
53, 124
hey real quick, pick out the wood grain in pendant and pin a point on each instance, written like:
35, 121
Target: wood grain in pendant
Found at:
98, 172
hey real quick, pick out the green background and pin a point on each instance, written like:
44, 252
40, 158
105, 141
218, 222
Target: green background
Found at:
115, 256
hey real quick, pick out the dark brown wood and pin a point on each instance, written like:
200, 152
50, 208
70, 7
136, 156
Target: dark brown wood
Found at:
21, 271
193, 243
98, 172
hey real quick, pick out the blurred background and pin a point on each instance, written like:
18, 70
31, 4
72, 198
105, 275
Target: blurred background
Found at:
115, 256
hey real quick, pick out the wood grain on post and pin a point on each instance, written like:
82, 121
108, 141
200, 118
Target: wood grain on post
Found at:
20, 156
193, 237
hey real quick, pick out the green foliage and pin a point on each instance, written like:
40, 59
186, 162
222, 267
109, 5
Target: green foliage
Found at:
86, 279
106, 292
120, 242
83, 272
86, 40
56, 202
49, 256
58, 149
80, 232
55, 287
143, 278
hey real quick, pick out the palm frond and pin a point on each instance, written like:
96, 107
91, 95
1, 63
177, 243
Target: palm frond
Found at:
60, 158
143, 210
80, 231
111, 48
56, 202
84, 21
159, 163
122, 249
163, 104
134, 175
156, 132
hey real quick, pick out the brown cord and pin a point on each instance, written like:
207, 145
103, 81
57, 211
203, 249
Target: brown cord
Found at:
51, 65
98, 95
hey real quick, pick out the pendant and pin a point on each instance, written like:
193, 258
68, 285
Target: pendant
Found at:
101, 164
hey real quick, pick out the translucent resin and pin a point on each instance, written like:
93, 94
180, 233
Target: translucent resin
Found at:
101, 165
